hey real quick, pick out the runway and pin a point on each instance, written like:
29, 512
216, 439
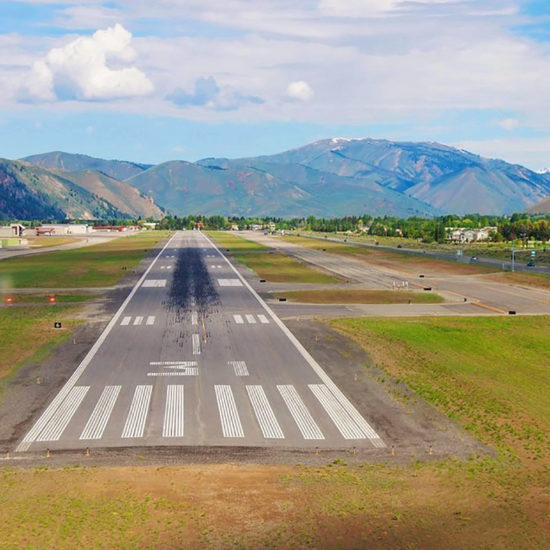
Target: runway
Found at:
194, 356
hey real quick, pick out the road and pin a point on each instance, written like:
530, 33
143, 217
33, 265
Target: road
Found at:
466, 294
194, 356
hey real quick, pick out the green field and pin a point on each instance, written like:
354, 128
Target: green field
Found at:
92, 266
489, 373
361, 297
270, 265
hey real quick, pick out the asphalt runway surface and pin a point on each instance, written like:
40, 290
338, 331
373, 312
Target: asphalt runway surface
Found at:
194, 357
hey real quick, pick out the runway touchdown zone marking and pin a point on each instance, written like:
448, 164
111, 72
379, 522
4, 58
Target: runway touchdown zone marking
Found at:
229, 282
154, 283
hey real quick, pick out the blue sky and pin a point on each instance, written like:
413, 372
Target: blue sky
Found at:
188, 79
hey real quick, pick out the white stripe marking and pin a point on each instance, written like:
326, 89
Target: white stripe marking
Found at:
238, 319
194, 318
341, 418
174, 412
138, 320
137, 416
151, 320
264, 413
263, 319
300, 413
196, 344
52, 407
154, 283
179, 363
100, 416
251, 320
229, 282
186, 371
126, 321
239, 367
229, 416
59, 421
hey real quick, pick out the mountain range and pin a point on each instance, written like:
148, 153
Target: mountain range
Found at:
332, 177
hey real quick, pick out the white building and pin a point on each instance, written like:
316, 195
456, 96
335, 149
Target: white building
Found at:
70, 228
463, 235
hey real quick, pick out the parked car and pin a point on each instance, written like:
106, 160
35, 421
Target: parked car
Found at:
530, 263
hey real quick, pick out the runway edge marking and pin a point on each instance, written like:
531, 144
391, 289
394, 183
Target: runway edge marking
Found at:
362, 424
57, 401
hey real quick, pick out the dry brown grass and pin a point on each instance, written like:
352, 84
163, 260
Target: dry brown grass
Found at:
534, 280
361, 297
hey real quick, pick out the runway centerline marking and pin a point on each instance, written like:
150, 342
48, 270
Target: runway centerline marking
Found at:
196, 344
194, 318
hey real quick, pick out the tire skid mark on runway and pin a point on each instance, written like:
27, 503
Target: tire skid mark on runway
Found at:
173, 425
102, 412
59, 421
137, 416
239, 367
341, 418
264, 413
229, 416
305, 422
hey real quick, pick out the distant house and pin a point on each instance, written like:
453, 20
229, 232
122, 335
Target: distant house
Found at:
256, 227
11, 231
70, 228
117, 228
464, 235
234, 227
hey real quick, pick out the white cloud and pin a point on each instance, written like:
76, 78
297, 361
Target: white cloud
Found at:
299, 89
80, 70
509, 124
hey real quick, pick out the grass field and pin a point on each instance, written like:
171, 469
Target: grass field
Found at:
271, 266
96, 265
41, 298
361, 297
535, 280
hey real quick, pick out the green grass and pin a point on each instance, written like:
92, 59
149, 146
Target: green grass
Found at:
269, 265
491, 374
40, 298
92, 266
361, 297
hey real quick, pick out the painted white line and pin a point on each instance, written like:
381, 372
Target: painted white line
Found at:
102, 412
238, 319
59, 421
163, 267
219, 266
196, 344
173, 425
363, 425
342, 420
251, 319
151, 320
179, 363
154, 283
229, 282
58, 399
194, 318
185, 371
137, 416
305, 422
239, 367
229, 416
169, 267
264, 413
126, 321
138, 320
263, 319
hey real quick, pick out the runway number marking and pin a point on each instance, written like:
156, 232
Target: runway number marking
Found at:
173, 425
137, 416
229, 416
100, 416
300, 413
264, 413
62, 416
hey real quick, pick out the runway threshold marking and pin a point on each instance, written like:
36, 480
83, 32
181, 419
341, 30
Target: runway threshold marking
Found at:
229, 416
173, 425
59, 421
365, 427
58, 399
137, 415
239, 367
300, 413
264, 413
102, 412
